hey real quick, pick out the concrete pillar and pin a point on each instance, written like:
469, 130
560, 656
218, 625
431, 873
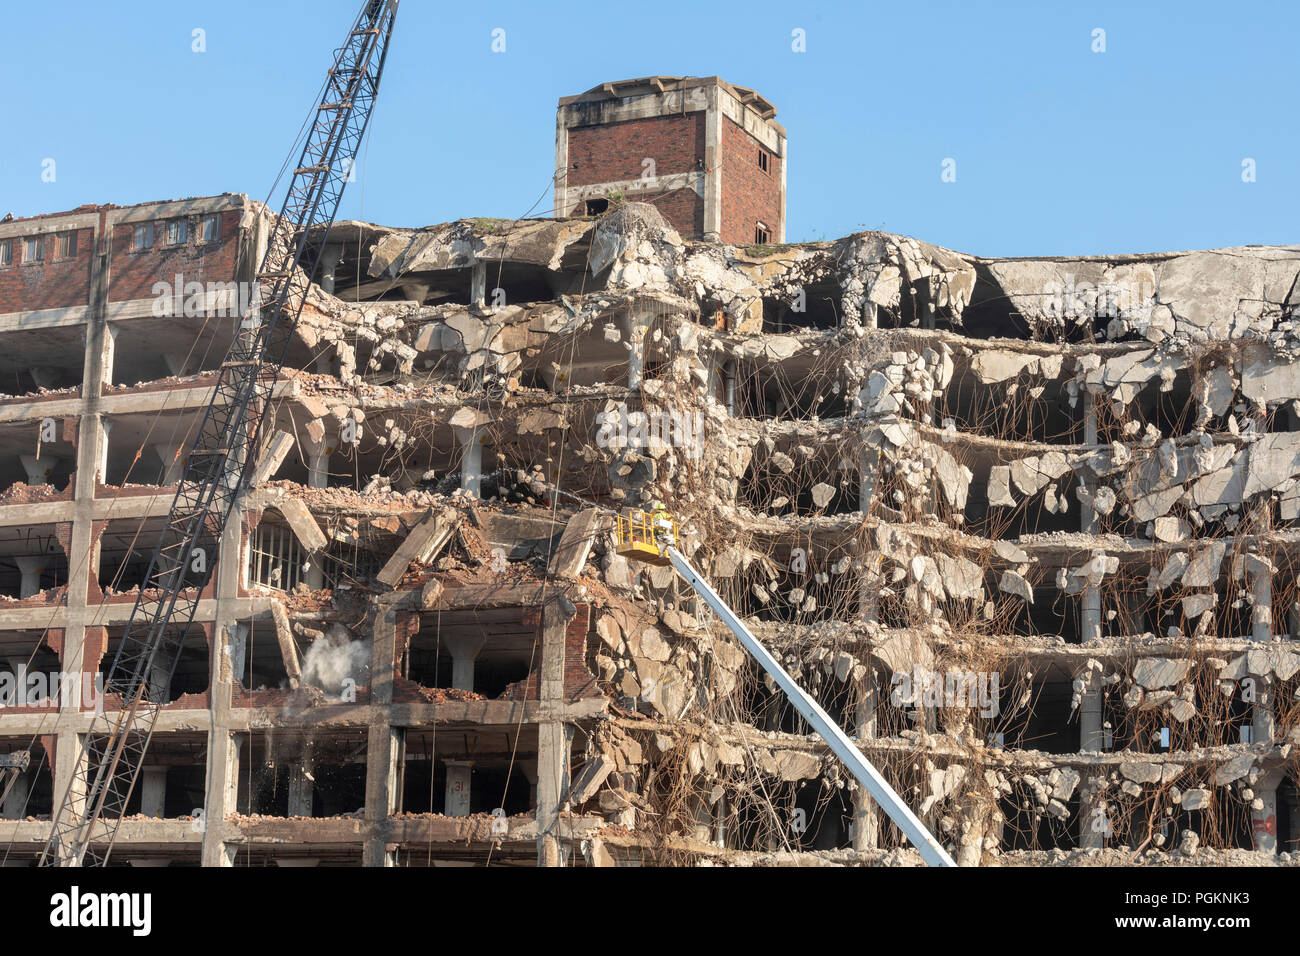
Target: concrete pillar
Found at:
329, 263
385, 744
318, 464
1093, 826
153, 790
866, 816
636, 328
101, 470
1263, 812
301, 790
478, 285
458, 787
720, 822
40, 469
471, 460
554, 735
315, 577
464, 650
30, 568
169, 454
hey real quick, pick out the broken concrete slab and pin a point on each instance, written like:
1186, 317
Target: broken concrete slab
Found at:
420, 546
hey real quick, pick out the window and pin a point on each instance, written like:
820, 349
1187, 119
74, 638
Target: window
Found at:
143, 237
7, 252
210, 230
177, 232
761, 235
762, 159
597, 207
67, 245
33, 250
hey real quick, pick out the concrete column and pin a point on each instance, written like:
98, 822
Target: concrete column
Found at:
458, 787
636, 329
478, 285
1263, 812
30, 568
318, 463
108, 351
554, 736
40, 469
713, 167
301, 790
471, 461
866, 816
169, 454
384, 742
101, 466
1092, 823
464, 650
329, 263
153, 790
315, 573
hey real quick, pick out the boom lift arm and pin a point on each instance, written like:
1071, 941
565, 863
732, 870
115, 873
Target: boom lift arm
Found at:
648, 538
220, 462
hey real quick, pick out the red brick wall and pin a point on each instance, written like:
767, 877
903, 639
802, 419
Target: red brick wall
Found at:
53, 284
615, 152
749, 194
134, 273
579, 681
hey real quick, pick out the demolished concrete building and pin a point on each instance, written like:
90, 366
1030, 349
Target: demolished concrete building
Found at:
1026, 527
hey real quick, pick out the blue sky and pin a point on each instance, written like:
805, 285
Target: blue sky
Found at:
1058, 149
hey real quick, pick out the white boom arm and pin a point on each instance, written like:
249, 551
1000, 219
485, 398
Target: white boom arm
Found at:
844, 748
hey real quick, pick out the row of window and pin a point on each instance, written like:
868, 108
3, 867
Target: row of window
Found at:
174, 232
34, 248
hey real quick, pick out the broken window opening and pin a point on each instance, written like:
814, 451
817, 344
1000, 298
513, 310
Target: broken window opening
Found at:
275, 557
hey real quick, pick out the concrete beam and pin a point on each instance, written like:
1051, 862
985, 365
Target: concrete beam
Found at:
288, 647
575, 544
421, 546
272, 457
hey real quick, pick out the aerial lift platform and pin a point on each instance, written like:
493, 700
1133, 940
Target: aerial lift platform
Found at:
652, 537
